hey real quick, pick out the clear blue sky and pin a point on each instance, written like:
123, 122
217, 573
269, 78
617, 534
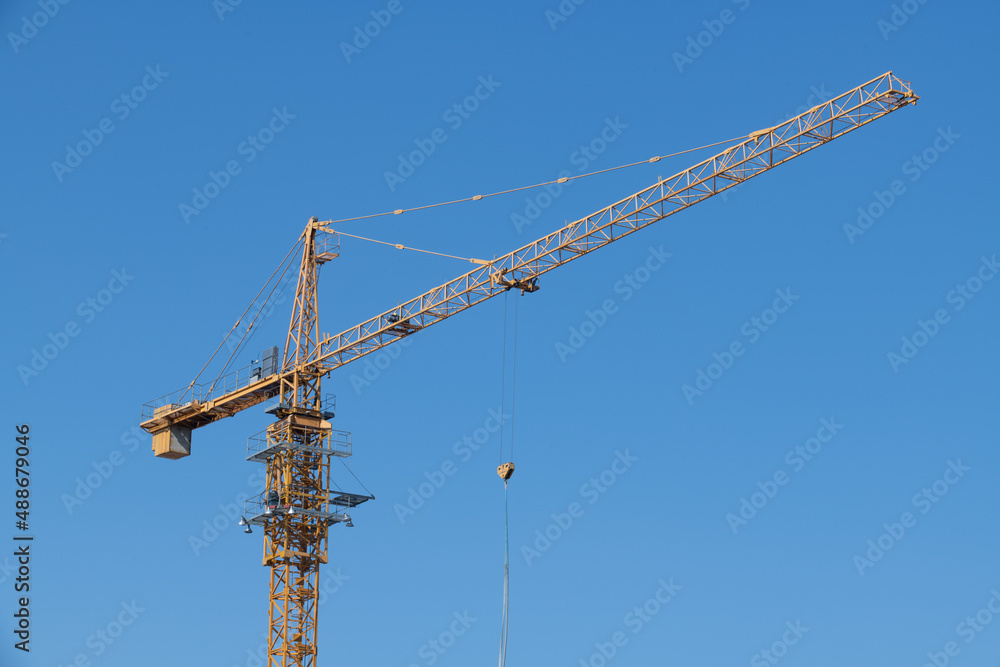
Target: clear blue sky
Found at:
339, 110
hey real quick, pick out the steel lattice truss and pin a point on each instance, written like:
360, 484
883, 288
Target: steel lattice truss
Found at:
295, 508
295, 543
761, 151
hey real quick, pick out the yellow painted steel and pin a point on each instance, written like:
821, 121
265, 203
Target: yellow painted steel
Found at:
759, 152
298, 467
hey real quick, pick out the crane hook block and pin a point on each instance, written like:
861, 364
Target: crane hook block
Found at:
506, 470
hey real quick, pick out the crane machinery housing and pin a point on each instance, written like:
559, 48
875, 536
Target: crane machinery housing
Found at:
298, 505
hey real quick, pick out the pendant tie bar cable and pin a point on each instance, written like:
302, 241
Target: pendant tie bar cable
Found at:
400, 246
563, 179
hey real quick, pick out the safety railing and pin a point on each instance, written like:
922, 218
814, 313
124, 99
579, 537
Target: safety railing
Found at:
332, 443
204, 391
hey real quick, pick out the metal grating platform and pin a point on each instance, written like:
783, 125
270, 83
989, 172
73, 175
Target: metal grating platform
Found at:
338, 443
256, 512
268, 452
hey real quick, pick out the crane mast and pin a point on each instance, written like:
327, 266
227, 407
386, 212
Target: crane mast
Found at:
298, 505
298, 450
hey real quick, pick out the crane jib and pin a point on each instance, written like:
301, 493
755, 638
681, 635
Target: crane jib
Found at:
761, 151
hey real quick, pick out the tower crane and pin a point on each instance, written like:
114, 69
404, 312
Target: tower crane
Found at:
298, 506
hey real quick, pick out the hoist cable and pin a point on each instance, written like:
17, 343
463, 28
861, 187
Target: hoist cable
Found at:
503, 372
506, 579
513, 383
